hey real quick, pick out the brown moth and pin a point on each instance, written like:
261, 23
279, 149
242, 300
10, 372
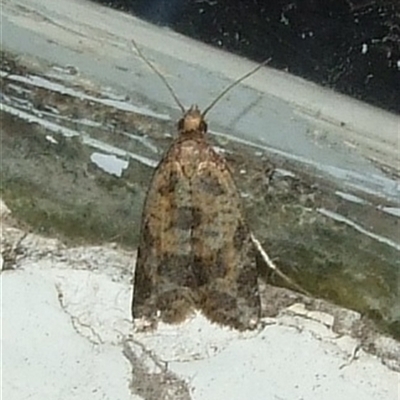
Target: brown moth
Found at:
196, 250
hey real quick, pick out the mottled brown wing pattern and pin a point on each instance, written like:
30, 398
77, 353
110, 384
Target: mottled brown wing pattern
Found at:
163, 274
195, 250
223, 250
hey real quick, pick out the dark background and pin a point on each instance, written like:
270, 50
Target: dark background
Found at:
352, 46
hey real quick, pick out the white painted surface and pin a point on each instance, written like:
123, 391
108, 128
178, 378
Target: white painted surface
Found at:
43, 356
66, 322
109, 163
282, 363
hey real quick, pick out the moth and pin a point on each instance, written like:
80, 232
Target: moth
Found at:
195, 250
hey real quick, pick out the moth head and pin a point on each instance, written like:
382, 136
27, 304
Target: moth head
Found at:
192, 121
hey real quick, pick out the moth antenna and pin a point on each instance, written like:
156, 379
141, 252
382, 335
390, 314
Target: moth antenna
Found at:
233, 84
159, 74
271, 265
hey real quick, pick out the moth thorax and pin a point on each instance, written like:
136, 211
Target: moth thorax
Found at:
192, 121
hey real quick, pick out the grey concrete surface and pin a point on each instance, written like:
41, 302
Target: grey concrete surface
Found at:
285, 114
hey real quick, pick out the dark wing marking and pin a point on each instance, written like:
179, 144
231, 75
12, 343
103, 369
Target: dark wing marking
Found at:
163, 274
224, 254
